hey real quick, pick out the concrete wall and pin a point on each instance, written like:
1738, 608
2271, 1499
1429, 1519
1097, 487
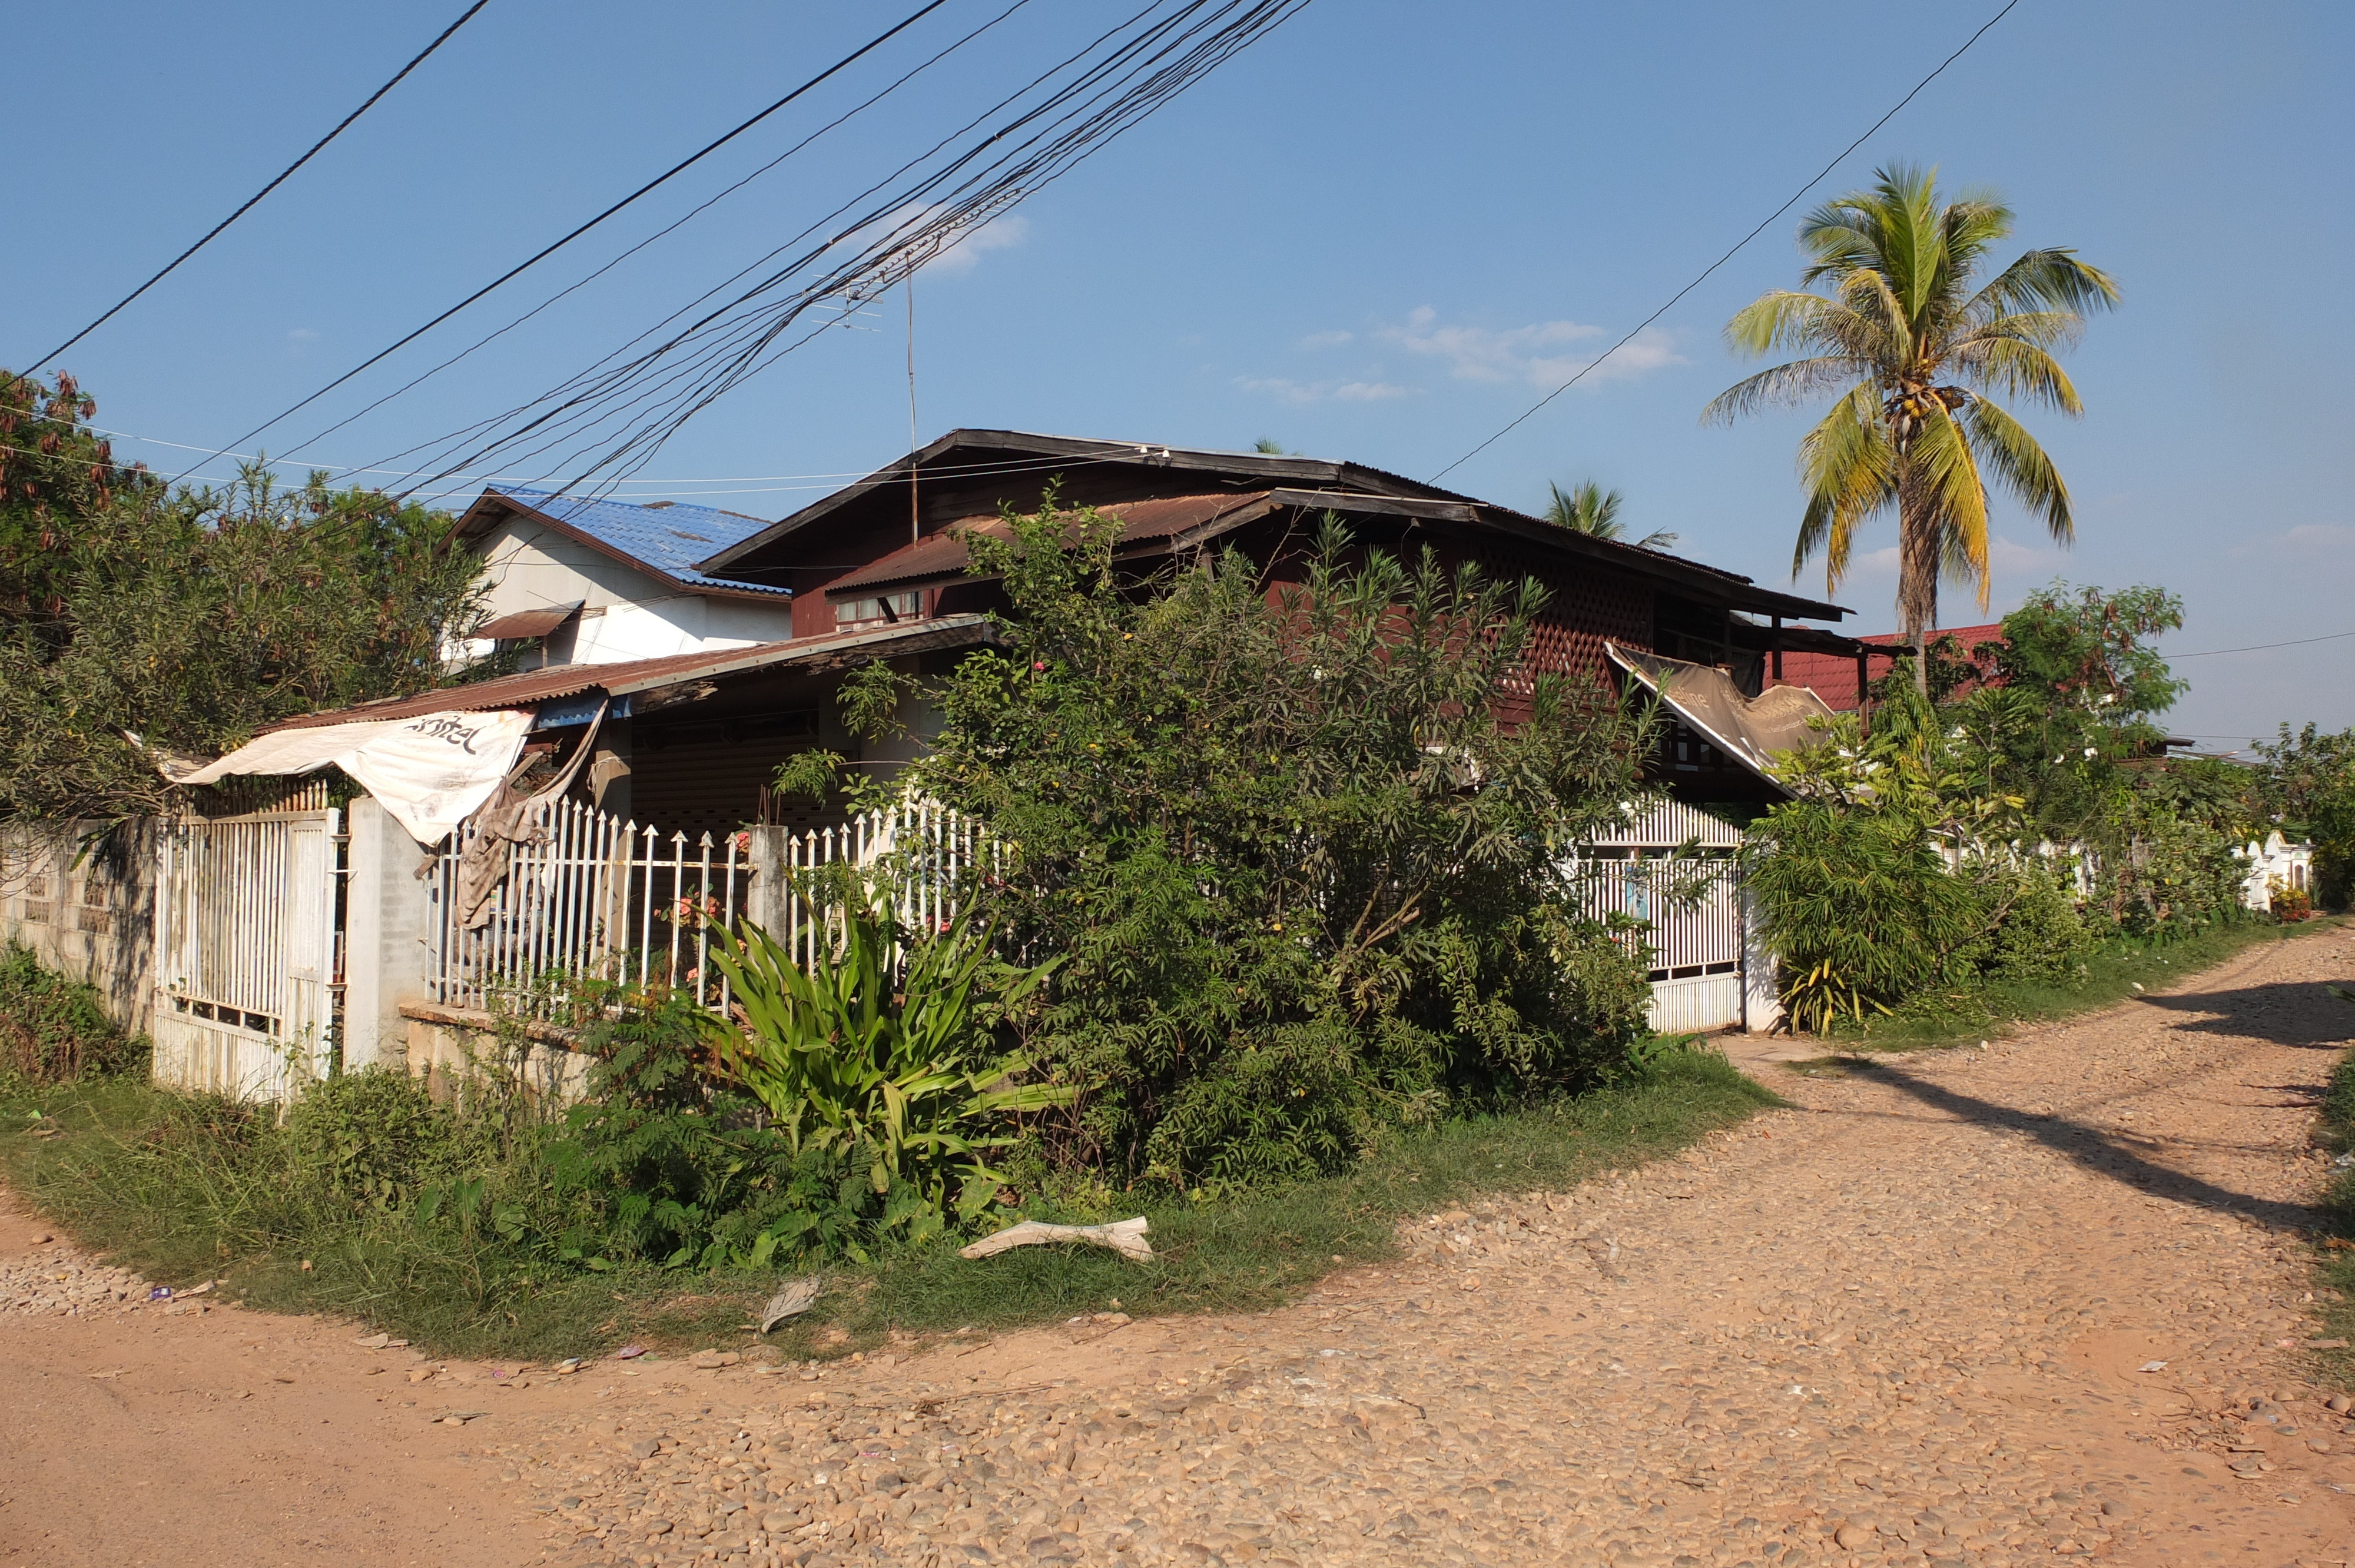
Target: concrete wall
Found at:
626, 613
87, 906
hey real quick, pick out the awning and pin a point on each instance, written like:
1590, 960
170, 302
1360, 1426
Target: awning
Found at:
525, 624
1751, 730
430, 771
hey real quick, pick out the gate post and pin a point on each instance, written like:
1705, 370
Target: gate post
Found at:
1761, 1000
387, 936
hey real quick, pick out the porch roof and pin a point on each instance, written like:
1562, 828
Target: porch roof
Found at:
531, 688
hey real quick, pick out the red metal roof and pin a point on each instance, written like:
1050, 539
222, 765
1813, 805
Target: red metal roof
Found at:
531, 688
1832, 676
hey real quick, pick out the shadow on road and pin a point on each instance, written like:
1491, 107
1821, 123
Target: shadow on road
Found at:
2302, 1014
2093, 1149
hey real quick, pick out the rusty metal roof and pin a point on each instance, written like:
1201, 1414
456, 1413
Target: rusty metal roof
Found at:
1026, 452
945, 556
531, 688
526, 623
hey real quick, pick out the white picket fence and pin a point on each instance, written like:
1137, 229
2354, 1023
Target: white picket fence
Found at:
622, 903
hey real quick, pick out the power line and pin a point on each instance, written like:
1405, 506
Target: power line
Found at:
684, 218
2257, 647
209, 234
676, 169
617, 414
1738, 245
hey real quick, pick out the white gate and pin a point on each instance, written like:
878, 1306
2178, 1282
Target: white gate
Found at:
1696, 937
248, 951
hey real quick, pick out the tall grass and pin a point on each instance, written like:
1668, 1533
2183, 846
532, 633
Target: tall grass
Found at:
187, 1188
2118, 970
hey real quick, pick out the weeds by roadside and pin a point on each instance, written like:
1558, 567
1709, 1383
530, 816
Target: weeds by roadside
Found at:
2116, 971
2335, 1131
185, 1188
54, 1030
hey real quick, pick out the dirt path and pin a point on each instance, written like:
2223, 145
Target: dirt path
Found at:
1900, 1323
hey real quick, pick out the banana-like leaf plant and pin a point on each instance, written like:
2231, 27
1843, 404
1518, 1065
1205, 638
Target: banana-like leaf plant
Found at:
881, 1050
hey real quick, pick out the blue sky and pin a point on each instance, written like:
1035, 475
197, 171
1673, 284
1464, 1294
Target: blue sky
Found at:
1379, 234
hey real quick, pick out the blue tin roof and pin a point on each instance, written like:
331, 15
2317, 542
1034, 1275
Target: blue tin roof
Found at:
670, 539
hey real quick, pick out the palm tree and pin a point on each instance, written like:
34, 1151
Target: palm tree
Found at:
1909, 353
1588, 508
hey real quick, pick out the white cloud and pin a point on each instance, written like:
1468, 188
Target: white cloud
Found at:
1534, 353
964, 253
1327, 339
2317, 536
1290, 391
2007, 561
958, 252
299, 341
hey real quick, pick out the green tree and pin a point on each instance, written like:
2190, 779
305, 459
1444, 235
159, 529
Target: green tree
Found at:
193, 617
1910, 347
2311, 785
1300, 845
1588, 508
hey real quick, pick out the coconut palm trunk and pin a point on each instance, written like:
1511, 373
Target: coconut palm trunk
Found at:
1910, 353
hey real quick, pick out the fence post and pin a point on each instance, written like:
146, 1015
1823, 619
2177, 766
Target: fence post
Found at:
763, 900
1761, 1000
387, 926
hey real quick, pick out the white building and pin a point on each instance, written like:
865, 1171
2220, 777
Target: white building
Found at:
579, 581
2276, 863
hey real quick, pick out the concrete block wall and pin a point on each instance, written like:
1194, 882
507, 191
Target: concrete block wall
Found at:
82, 896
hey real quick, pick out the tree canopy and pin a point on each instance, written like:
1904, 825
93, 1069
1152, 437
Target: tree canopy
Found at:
191, 615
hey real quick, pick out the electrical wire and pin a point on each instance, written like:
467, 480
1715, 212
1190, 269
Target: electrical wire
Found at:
616, 416
2257, 647
676, 169
340, 127
998, 465
1739, 245
682, 221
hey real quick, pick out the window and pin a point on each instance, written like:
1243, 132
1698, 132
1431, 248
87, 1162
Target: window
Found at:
890, 607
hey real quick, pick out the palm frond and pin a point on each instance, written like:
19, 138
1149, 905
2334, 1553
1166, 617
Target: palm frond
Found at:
1942, 456
1784, 385
2051, 278
1784, 319
1849, 469
2020, 465
2016, 368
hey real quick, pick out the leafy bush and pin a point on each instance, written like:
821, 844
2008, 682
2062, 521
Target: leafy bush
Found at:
376, 1138
2041, 936
1299, 842
1860, 907
2290, 905
880, 1055
54, 1030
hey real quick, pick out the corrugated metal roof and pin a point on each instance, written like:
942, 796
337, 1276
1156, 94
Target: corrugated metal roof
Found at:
526, 623
946, 554
670, 539
1832, 676
531, 688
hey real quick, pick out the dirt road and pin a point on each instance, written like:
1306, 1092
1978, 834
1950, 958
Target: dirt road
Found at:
1989, 1307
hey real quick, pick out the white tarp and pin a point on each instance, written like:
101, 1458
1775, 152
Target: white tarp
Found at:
430, 773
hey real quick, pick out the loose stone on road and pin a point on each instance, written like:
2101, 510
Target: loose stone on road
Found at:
1905, 1321
2043, 1301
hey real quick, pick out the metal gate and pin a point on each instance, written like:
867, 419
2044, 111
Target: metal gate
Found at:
1697, 955
249, 950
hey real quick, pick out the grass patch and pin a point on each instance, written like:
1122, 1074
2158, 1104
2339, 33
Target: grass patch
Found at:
2335, 1267
136, 1171
2111, 975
